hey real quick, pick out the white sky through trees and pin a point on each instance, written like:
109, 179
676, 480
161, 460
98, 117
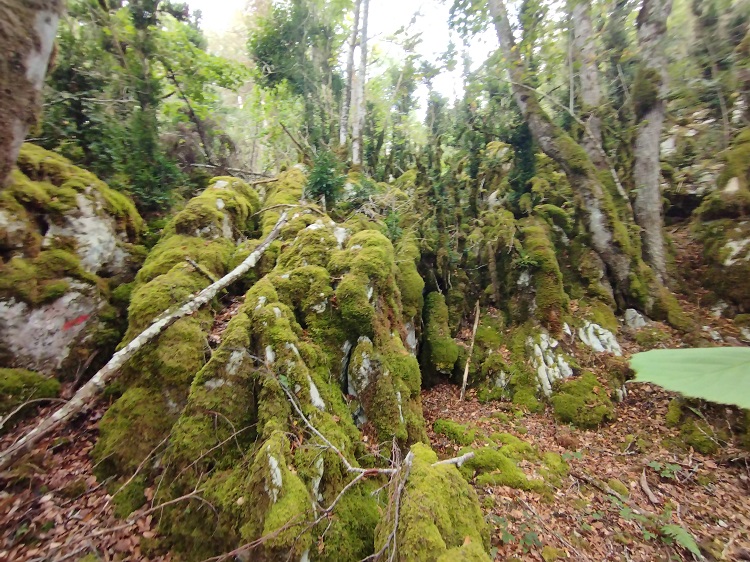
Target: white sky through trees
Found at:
385, 18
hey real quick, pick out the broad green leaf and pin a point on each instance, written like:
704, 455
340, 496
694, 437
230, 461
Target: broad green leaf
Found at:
717, 374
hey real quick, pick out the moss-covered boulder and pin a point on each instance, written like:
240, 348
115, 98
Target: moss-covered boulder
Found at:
583, 402
439, 517
66, 241
158, 379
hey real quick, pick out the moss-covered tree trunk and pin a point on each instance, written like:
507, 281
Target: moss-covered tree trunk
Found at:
591, 92
27, 38
609, 236
650, 106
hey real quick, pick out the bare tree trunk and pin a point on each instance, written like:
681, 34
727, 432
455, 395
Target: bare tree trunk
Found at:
27, 39
359, 109
84, 398
347, 98
650, 107
571, 157
591, 92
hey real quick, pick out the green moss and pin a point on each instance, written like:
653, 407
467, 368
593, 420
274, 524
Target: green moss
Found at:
130, 497
43, 278
139, 412
514, 447
439, 351
439, 510
213, 255
18, 385
618, 487
555, 468
551, 554
583, 402
551, 299
492, 467
699, 435
674, 413
410, 283
650, 337
468, 552
456, 432
645, 90
526, 398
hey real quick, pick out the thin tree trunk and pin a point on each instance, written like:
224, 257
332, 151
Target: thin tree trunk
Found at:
591, 92
347, 98
359, 110
84, 398
27, 39
650, 110
570, 156
471, 350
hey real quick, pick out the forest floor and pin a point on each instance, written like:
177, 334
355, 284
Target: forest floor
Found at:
53, 509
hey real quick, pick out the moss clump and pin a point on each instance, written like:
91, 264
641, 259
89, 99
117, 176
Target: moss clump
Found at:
439, 351
618, 487
496, 467
551, 554
467, 552
18, 385
583, 402
645, 90
674, 413
439, 510
410, 283
650, 337
456, 432
699, 435
550, 297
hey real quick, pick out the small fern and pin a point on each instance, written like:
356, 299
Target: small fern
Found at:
682, 537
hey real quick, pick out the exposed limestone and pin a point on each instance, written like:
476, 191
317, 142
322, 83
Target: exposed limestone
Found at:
62, 233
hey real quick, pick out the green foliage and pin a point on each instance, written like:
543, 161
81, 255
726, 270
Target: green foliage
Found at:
716, 374
325, 179
680, 536
583, 402
18, 385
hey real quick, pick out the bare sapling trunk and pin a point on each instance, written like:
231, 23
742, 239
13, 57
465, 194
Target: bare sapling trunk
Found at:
85, 396
358, 125
591, 92
572, 158
27, 39
650, 106
346, 99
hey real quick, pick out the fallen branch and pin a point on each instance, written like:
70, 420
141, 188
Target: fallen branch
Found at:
304, 152
471, 350
83, 399
646, 490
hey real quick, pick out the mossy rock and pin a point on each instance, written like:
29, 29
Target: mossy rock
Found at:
583, 402
439, 512
19, 385
456, 432
439, 351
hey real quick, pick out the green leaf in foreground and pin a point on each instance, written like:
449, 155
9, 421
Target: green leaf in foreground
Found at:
717, 374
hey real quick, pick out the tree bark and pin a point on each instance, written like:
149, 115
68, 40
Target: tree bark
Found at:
359, 109
591, 92
347, 98
27, 39
84, 398
572, 158
650, 105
